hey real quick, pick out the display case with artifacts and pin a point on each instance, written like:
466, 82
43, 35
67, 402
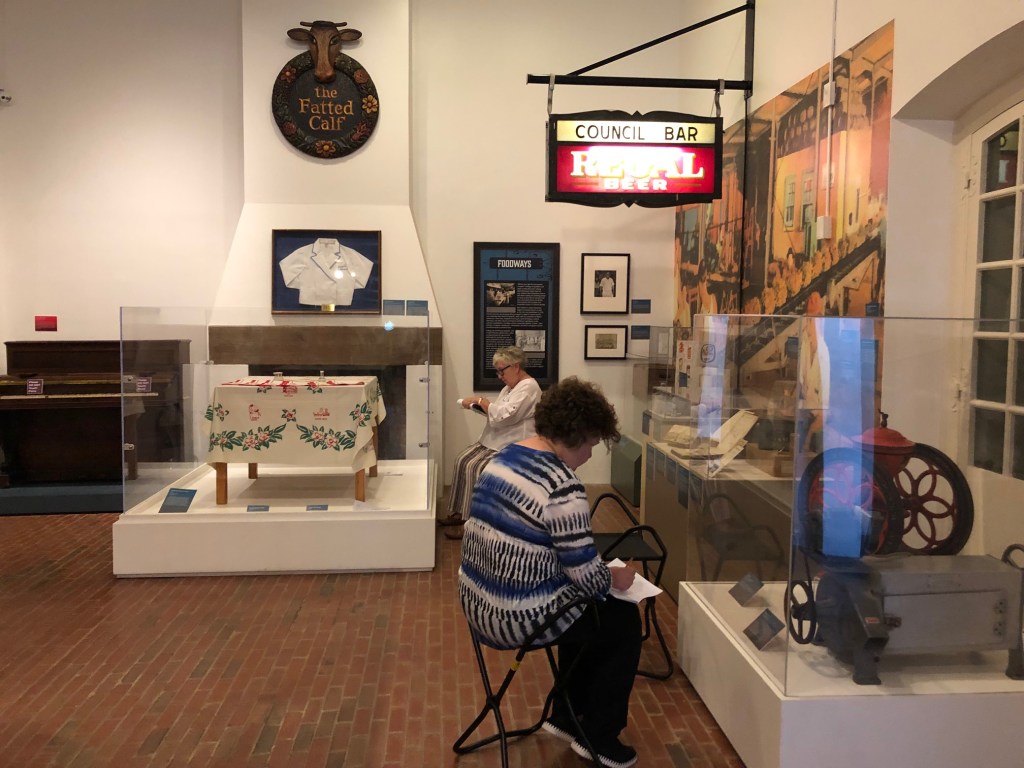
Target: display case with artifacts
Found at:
898, 599
306, 448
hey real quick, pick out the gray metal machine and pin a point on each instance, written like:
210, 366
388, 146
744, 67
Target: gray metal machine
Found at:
878, 532
904, 604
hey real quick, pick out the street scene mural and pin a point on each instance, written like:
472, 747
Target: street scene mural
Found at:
767, 249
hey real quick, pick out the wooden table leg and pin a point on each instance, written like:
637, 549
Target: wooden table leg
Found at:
361, 485
253, 471
221, 468
373, 469
131, 455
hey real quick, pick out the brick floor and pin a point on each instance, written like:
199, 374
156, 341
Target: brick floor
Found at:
325, 670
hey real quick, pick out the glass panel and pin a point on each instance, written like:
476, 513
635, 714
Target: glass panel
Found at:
1001, 159
990, 369
1018, 447
784, 435
988, 439
994, 298
164, 365
312, 431
997, 224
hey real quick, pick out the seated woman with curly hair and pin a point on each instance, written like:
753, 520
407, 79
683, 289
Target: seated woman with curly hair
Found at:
528, 549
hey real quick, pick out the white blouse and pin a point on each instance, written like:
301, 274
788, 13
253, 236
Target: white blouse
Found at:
510, 415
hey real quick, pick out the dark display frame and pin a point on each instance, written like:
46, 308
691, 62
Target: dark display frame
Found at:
515, 301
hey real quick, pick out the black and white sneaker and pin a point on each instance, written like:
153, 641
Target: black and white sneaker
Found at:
560, 729
613, 755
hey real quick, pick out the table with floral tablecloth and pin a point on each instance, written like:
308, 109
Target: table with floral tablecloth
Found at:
310, 421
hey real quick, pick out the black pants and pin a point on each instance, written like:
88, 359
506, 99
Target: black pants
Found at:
602, 679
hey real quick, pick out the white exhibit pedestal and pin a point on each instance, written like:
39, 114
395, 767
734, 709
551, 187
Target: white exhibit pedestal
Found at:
393, 530
954, 710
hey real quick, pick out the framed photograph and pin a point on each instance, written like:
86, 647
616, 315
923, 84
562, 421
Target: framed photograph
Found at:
604, 289
604, 342
325, 271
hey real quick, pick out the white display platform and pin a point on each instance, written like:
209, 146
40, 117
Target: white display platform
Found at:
933, 711
392, 530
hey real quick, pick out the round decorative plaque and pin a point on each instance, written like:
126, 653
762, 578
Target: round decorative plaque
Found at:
325, 120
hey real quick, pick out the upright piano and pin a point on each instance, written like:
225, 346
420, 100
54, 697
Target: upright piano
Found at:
61, 415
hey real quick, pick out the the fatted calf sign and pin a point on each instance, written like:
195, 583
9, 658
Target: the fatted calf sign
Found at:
325, 102
657, 159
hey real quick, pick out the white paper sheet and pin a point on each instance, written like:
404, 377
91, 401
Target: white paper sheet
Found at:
639, 590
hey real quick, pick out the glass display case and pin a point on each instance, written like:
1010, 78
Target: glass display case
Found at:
292, 446
827, 532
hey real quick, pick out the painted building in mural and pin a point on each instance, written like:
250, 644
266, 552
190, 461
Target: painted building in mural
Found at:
782, 237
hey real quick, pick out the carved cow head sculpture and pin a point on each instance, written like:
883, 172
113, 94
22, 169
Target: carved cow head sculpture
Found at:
324, 39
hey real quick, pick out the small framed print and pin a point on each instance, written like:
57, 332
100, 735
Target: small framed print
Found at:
605, 342
326, 271
605, 284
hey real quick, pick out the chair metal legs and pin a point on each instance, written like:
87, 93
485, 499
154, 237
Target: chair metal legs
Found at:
651, 622
642, 544
492, 702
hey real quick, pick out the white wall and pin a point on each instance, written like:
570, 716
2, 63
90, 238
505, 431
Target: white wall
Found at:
275, 172
479, 160
123, 152
120, 158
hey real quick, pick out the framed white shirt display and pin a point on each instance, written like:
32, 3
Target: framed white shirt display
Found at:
326, 271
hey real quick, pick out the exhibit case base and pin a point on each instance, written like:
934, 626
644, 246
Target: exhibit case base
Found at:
949, 710
289, 520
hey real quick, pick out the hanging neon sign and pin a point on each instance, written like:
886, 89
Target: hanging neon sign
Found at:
655, 160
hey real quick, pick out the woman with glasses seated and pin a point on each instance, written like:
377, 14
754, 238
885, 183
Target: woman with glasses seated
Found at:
529, 550
509, 419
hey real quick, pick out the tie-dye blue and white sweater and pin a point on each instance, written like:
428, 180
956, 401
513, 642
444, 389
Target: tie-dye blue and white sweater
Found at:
527, 547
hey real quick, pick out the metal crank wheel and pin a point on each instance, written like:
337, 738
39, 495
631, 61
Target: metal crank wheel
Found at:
801, 613
843, 481
937, 501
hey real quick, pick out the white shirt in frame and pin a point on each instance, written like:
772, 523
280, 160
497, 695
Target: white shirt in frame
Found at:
326, 272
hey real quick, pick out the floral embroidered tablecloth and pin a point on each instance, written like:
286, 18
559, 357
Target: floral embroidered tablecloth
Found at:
304, 421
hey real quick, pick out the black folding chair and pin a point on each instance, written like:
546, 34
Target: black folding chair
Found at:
492, 704
641, 544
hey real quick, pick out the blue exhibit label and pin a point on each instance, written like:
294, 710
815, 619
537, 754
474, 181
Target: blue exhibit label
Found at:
178, 500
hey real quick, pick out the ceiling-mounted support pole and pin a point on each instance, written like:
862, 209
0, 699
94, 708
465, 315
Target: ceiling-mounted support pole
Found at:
748, 74
748, 58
